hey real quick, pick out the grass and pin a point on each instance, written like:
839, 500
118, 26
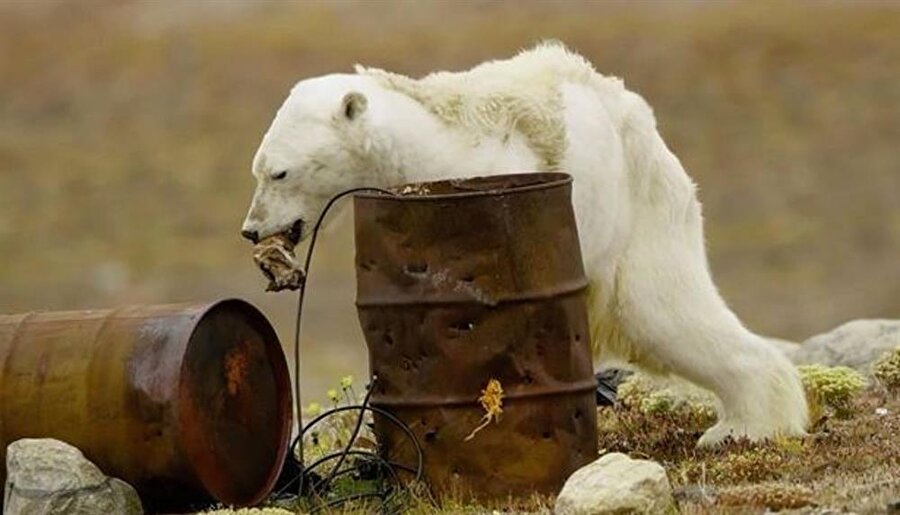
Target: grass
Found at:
844, 464
849, 461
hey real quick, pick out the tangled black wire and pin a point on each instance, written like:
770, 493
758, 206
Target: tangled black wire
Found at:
359, 465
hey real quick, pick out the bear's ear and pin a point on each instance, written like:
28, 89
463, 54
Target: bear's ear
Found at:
353, 105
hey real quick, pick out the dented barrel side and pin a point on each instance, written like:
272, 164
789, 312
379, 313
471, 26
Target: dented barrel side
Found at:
467, 281
184, 402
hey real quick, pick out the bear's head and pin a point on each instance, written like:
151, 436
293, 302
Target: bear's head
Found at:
316, 147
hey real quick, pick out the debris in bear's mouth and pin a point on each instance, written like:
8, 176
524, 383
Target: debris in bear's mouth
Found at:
275, 258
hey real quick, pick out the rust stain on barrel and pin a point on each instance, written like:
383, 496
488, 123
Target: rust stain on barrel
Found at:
185, 402
467, 281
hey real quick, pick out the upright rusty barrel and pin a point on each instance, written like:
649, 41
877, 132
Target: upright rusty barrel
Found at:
185, 402
464, 281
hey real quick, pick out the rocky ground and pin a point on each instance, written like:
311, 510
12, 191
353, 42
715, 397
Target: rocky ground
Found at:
848, 463
844, 465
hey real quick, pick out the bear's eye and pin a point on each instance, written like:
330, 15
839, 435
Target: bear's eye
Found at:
280, 175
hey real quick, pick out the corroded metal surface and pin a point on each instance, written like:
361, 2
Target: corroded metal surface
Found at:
460, 282
185, 402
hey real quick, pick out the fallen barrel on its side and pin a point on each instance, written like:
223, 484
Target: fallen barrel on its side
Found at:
460, 282
185, 402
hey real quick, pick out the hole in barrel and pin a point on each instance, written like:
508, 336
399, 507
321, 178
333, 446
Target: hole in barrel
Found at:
416, 268
465, 325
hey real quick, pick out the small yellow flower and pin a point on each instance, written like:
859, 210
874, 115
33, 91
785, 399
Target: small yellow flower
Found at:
313, 409
346, 382
333, 395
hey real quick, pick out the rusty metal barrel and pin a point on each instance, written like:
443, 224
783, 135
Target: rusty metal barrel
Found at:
185, 402
464, 281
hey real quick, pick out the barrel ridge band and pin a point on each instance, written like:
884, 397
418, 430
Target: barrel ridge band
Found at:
571, 288
584, 386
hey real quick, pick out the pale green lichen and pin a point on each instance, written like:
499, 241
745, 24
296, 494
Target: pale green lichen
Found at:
887, 369
830, 388
658, 396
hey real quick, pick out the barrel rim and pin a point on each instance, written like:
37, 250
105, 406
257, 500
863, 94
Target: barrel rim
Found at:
286, 406
553, 180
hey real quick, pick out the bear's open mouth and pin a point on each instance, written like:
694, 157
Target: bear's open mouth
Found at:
295, 233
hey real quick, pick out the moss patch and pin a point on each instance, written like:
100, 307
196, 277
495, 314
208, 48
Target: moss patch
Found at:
887, 370
845, 463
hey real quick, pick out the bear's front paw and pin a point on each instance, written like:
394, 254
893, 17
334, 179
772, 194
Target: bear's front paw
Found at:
721, 432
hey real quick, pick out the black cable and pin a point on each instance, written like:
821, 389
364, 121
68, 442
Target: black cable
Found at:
386, 494
353, 435
300, 296
388, 415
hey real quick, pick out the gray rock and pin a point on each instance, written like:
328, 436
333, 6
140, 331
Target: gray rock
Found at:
49, 477
856, 344
616, 484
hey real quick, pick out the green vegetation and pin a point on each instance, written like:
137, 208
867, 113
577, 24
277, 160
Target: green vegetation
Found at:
830, 388
673, 397
887, 370
847, 463
769, 496
850, 463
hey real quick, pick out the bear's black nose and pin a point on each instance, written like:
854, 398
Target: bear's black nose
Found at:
251, 235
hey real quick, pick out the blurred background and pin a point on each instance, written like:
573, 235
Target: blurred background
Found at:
127, 131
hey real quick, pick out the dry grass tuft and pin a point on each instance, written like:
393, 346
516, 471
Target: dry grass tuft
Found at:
843, 450
772, 496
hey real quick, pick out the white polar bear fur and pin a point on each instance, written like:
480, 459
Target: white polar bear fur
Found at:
652, 301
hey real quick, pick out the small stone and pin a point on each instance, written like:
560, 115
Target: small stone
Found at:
616, 484
49, 477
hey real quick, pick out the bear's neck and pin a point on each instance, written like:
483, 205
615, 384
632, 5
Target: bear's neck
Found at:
414, 145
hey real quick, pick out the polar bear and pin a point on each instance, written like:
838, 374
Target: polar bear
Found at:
651, 299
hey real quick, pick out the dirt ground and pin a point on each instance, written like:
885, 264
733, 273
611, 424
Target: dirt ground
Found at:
849, 465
